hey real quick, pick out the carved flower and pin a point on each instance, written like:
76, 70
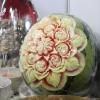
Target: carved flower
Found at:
51, 52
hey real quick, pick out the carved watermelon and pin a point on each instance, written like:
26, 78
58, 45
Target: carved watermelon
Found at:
56, 50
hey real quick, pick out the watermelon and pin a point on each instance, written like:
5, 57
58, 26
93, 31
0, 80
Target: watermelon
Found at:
79, 82
57, 55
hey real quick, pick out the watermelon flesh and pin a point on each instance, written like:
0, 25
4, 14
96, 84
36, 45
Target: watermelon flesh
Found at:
54, 50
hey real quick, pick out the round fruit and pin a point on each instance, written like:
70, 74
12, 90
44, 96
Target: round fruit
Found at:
57, 49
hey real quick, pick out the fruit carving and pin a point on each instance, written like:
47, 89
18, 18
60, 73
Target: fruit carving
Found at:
52, 52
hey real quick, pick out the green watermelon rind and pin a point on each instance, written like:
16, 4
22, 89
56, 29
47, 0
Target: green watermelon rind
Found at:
83, 78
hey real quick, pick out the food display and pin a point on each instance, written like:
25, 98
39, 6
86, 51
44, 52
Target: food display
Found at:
57, 55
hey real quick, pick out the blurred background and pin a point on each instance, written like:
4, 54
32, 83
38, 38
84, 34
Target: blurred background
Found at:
87, 10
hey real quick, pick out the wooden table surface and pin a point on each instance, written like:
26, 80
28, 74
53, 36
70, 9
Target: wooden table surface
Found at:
53, 97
